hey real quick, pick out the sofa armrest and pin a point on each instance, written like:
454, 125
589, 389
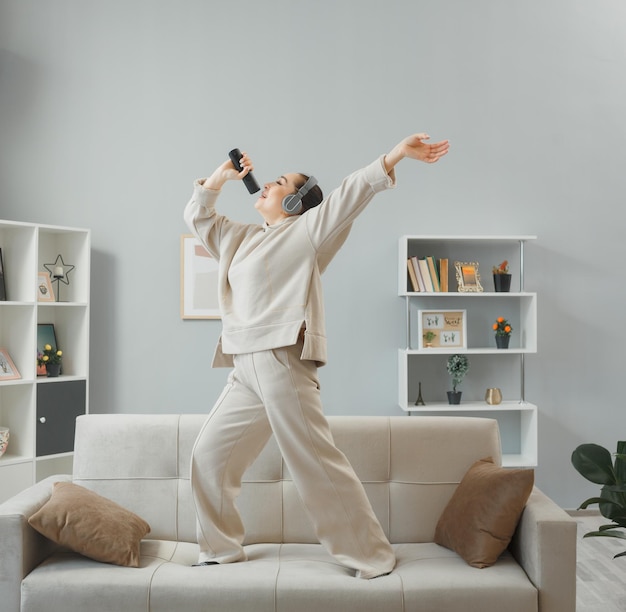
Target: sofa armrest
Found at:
23, 548
545, 546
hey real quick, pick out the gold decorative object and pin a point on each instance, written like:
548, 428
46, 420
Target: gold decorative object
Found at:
493, 396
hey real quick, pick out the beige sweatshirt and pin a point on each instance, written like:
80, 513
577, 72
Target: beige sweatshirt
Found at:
269, 279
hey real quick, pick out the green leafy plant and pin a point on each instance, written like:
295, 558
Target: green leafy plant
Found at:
429, 336
49, 355
595, 463
458, 365
503, 268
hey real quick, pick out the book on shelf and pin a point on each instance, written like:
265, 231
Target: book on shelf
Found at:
418, 274
412, 276
434, 274
3, 291
425, 272
443, 275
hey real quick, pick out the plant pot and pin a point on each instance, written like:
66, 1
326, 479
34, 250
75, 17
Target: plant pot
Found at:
53, 369
502, 342
454, 397
502, 283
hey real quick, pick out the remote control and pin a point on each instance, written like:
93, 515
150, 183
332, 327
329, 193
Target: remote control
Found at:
249, 181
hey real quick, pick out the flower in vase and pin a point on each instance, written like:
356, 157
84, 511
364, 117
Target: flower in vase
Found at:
49, 355
502, 327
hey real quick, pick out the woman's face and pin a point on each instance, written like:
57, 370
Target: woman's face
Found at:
270, 202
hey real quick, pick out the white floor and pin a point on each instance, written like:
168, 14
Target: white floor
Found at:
601, 579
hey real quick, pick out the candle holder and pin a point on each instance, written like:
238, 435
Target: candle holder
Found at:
59, 273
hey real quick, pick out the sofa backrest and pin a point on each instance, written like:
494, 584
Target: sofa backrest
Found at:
409, 466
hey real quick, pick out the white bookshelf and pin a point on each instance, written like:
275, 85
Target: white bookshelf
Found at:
516, 416
41, 433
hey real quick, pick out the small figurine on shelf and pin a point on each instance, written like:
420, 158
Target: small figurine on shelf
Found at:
502, 278
51, 359
457, 365
420, 400
59, 272
503, 331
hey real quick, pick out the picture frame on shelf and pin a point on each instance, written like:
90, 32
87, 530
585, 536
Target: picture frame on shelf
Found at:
442, 329
198, 285
468, 277
45, 293
8, 371
45, 335
3, 289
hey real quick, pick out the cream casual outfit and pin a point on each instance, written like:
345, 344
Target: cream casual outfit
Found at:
270, 291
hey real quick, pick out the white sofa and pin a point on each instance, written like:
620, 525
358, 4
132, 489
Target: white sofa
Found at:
410, 467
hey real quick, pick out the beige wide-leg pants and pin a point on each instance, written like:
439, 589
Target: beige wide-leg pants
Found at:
275, 391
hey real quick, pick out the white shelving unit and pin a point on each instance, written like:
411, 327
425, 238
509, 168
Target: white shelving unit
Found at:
516, 416
40, 411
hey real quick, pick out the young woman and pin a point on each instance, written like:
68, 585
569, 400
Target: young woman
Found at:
273, 334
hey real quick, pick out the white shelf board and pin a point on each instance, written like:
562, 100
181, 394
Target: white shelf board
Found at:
469, 351
470, 407
473, 238
42, 380
469, 294
10, 459
43, 458
518, 461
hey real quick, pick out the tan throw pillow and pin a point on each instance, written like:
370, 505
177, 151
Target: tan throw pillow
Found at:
480, 518
91, 525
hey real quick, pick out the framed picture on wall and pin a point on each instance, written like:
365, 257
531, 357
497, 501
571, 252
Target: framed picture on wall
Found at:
44, 288
467, 276
442, 329
8, 371
198, 281
45, 335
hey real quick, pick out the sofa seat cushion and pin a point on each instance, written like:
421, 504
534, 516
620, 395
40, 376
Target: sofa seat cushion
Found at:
286, 577
436, 579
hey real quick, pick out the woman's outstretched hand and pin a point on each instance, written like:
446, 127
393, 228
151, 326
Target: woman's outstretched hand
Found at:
414, 147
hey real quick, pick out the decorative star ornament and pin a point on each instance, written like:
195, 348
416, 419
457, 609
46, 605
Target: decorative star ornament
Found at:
52, 268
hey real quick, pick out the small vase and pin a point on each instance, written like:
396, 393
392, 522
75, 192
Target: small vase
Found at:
502, 283
454, 397
502, 342
53, 369
493, 396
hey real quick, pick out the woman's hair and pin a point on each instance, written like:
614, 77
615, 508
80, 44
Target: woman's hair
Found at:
313, 197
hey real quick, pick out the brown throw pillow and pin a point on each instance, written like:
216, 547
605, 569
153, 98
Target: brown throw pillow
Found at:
480, 518
91, 525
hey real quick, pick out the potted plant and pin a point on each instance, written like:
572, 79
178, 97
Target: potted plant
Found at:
51, 359
458, 365
594, 463
503, 331
429, 336
501, 277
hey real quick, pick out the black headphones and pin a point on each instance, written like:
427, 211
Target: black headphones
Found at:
292, 204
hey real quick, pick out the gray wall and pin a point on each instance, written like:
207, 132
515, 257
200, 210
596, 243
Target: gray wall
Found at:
109, 110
